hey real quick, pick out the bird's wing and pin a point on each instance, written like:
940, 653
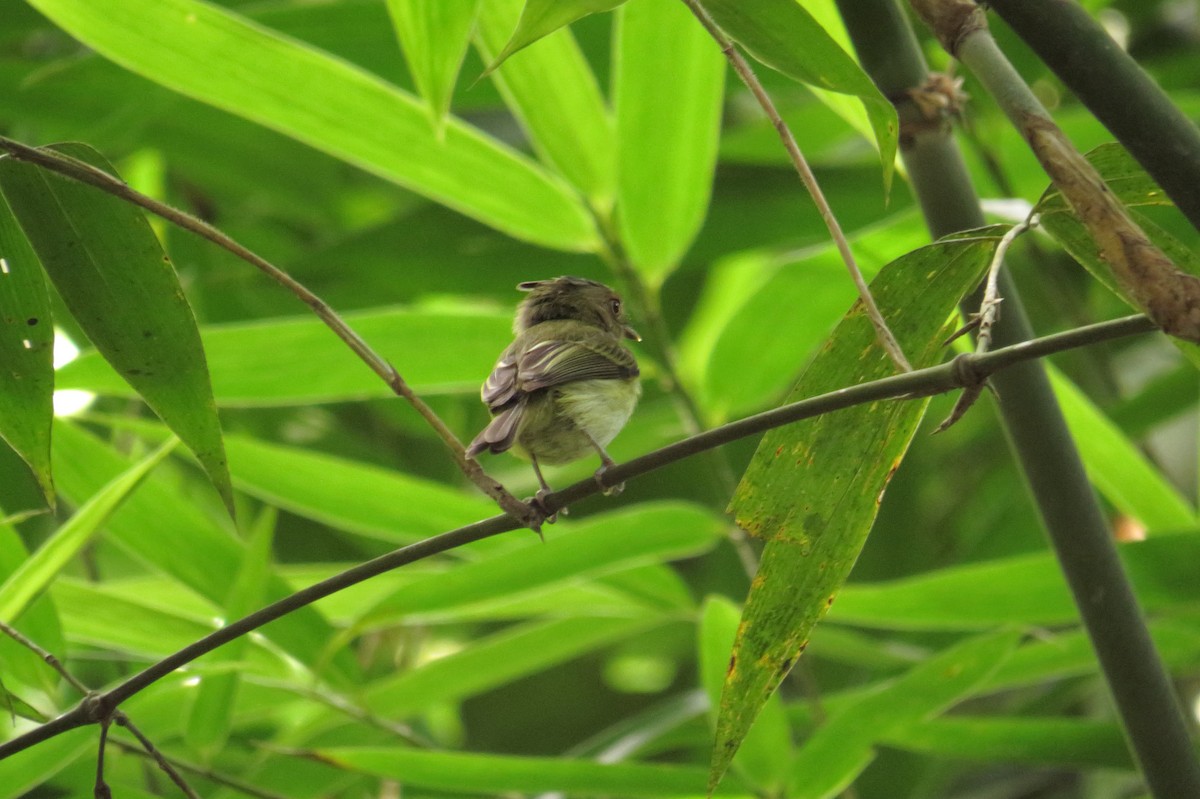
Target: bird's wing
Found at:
501, 385
552, 363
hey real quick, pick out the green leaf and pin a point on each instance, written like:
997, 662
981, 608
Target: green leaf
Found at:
434, 36
495, 774
1069, 743
26, 353
121, 288
553, 92
497, 660
19, 667
1118, 468
668, 82
766, 751
813, 488
24, 771
836, 754
541, 18
435, 352
200, 50
624, 539
980, 595
35, 574
785, 37
198, 553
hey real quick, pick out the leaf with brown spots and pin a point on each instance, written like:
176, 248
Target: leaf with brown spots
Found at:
812, 490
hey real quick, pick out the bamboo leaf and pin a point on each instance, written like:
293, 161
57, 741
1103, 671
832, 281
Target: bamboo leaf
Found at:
35, 574
836, 754
434, 35
541, 18
552, 90
785, 37
26, 352
213, 55
121, 288
668, 84
813, 488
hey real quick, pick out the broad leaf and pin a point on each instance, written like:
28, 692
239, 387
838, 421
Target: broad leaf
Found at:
109, 268
813, 488
668, 84
26, 352
203, 51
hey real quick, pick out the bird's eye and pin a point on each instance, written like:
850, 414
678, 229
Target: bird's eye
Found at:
616, 307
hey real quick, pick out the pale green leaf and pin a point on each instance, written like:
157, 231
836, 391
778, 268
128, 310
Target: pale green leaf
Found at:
434, 35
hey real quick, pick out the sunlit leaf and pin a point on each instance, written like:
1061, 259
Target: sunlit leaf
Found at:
434, 35
542, 17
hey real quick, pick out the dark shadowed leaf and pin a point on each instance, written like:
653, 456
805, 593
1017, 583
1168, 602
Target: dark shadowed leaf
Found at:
26, 352
112, 273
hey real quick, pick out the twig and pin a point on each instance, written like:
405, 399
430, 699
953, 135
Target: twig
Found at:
919, 383
86, 173
204, 773
47, 657
746, 73
983, 319
123, 721
101, 789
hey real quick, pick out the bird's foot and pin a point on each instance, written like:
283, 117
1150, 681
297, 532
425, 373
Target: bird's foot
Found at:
538, 503
609, 490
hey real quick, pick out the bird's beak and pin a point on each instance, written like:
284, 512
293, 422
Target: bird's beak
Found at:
631, 333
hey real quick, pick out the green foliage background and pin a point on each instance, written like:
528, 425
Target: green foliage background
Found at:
583, 665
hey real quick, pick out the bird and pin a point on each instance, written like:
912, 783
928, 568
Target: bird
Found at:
566, 385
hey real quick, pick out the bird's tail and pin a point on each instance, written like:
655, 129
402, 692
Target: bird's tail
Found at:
500, 433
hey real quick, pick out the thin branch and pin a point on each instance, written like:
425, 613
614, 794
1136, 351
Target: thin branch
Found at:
123, 721
98, 178
963, 370
204, 773
746, 73
46, 656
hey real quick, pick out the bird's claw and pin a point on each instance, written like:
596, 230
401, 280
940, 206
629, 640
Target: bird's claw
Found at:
608, 490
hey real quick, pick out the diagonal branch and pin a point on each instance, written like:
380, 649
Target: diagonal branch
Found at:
962, 371
86, 173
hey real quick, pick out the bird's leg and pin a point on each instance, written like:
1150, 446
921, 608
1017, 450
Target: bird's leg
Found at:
605, 464
539, 499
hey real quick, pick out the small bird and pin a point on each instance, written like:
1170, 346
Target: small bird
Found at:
566, 385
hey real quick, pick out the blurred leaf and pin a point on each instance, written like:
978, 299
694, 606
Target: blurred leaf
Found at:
24, 771
1118, 468
494, 774
486, 663
434, 35
836, 754
1069, 743
551, 89
198, 553
199, 50
26, 352
785, 37
39, 623
210, 717
109, 268
542, 17
623, 539
434, 351
668, 82
813, 488
766, 751
36, 573
981, 595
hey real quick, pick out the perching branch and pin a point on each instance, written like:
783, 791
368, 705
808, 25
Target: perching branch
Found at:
746, 73
86, 173
963, 371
